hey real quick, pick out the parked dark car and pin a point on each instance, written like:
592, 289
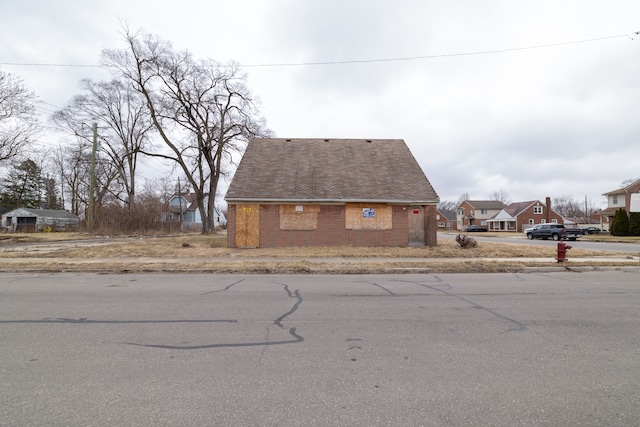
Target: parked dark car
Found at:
590, 230
474, 228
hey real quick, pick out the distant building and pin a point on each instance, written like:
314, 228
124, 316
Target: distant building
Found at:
617, 199
477, 212
182, 211
446, 220
28, 220
521, 215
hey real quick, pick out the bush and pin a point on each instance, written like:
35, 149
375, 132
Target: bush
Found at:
620, 224
634, 224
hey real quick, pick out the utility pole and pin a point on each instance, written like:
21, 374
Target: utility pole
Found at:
180, 199
92, 179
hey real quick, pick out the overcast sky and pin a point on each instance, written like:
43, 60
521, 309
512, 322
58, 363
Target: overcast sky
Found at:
534, 98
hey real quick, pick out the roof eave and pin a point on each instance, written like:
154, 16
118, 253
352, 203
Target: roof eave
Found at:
333, 201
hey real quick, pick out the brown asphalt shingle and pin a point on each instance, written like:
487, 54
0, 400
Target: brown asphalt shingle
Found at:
341, 170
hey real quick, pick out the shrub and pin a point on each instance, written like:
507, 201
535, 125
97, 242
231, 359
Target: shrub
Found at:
634, 224
620, 224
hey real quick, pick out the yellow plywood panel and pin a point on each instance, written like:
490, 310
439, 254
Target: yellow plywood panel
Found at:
369, 216
247, 226
299, 217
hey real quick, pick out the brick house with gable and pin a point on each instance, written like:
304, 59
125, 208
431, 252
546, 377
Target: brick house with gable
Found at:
477, 212
617, 199
330, 192
446, 220
521, 215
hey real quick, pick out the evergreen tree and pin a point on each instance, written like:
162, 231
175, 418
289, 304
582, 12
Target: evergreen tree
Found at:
51, 198
23, 186
620, 224
634, 224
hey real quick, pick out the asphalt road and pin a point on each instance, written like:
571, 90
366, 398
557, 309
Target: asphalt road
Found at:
294, 350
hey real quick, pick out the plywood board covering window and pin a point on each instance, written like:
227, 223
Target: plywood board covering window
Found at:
299, 217
368, 216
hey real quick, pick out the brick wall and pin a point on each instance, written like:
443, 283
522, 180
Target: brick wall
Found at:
231, 226
331, 229
430, 226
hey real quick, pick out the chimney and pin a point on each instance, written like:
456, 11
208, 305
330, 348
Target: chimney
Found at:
548, 214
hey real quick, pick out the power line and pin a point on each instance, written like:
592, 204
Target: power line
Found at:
368, 61
446, 55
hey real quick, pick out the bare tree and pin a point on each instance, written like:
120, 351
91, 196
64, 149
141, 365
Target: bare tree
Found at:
501, 196
18, 124
123, 122
202, 111
448, 205
567, 206
73, 165
463, 197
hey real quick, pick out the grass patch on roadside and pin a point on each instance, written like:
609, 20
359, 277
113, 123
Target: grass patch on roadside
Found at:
198, 246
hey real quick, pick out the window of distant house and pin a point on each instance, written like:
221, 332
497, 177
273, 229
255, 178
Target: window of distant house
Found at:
543, 221
483, 211
437, 216
460, 211
440, 224
614, 199
531, 222
537, 210
554, 221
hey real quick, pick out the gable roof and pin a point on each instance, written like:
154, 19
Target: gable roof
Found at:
45, 213
516, 208
330, 170
624, 189
449, 215
189, 198
485, 204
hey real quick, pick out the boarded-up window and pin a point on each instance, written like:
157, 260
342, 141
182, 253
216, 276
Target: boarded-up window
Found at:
299, 217
368, 216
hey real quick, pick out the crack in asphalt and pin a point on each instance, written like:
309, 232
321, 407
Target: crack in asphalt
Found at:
445, 288
278, 322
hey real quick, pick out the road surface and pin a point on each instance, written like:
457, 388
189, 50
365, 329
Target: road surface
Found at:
295, 350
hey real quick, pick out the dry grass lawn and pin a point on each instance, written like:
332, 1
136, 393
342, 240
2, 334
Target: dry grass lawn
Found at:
200, 253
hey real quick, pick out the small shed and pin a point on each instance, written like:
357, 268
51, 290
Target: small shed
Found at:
27, 220
330, 192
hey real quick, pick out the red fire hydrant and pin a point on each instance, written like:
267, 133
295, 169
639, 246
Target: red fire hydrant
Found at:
562, 251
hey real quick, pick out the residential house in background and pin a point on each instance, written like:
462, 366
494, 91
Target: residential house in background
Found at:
620, 198
28, 220
446, 220
521, 215
330, 192
182, 211
477, 212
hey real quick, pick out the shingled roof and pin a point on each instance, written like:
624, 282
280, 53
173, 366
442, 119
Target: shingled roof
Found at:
330, 170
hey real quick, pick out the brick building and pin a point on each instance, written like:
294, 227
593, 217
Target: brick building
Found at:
330, 192
519, 216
